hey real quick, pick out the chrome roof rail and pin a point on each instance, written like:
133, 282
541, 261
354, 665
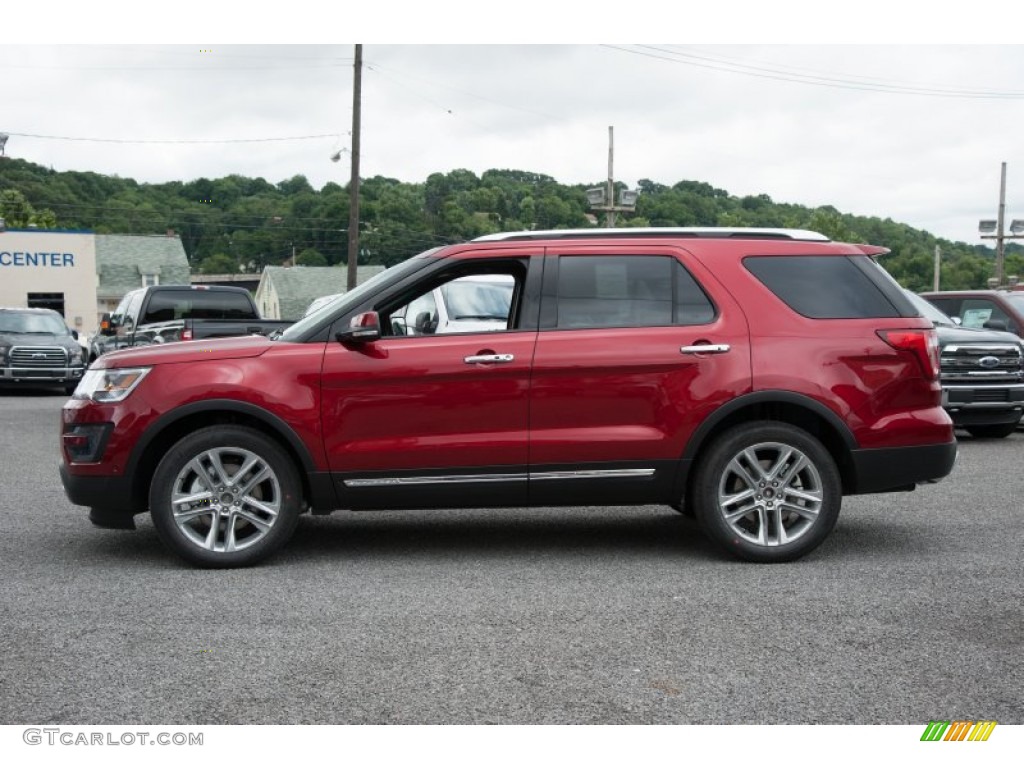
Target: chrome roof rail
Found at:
753, 233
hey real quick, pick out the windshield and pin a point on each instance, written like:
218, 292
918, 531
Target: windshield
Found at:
477, 300
1016, 301
354, 297
32, 322
929, 310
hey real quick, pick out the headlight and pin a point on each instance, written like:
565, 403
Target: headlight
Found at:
76, 356
3, 353
110, 385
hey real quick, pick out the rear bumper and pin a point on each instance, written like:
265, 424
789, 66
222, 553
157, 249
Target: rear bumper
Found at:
878, 470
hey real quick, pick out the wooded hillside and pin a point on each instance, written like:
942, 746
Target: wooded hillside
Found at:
237, 223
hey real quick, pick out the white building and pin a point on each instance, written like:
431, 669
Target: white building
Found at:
81, 274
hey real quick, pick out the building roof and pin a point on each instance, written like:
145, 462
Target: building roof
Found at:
121, 260
296, 287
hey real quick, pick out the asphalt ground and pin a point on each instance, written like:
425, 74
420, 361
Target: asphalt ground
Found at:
909, 612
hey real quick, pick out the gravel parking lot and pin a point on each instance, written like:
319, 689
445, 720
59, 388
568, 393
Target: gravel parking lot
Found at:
910, 612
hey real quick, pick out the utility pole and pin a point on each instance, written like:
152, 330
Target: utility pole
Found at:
604, 199
611, 174
938, 262
988, 226
353, 187
1000, 247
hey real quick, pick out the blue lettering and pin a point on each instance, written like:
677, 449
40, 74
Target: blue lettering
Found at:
41, 259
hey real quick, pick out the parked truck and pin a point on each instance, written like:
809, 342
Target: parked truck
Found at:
982, 374
165, 313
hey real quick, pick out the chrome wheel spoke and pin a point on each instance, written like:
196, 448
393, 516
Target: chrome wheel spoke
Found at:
259, 505
796, 493
191, 498
732, 517
229, 534
201, 474
808, 513
215, 464
211, 536
738, 468
259, 477
188, 515
779, 465
252, 519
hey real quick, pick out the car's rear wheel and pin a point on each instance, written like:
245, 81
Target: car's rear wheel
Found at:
767, 492
992, 430
225, 496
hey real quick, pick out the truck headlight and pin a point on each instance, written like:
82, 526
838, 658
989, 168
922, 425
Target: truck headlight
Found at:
3, 353
109, 385
76, 356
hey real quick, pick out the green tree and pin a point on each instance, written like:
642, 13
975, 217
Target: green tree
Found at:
311, 257
17, 212
219, 264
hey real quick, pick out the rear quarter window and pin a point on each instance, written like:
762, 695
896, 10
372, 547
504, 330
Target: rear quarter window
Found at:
831, 287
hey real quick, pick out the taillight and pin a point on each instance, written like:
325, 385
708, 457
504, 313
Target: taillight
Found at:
923, 342
186, 334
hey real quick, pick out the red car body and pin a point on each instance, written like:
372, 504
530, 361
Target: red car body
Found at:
548, 415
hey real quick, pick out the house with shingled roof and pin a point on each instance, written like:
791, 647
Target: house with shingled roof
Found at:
284, 293
127, 262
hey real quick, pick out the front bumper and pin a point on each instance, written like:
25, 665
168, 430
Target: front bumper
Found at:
878, 470
69, 375
103, 492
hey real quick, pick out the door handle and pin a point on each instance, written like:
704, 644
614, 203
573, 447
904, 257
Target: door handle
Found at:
704, 349
472, 359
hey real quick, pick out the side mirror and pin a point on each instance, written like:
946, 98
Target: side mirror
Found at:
364, 328
74, 333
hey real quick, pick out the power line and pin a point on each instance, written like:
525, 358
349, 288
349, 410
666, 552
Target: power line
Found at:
174, 141
783, 75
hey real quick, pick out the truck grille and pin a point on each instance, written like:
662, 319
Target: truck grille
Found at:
38, 357
982, 364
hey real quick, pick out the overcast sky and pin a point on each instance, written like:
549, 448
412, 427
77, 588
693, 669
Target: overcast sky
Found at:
911, 132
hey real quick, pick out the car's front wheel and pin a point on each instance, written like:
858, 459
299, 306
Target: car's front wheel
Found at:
225, 496
767, 491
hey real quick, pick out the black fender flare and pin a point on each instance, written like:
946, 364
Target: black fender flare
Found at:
767, 397
221, 405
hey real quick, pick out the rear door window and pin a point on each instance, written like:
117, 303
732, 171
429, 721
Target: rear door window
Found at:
627, 292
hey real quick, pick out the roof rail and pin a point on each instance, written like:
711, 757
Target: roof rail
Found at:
753, 233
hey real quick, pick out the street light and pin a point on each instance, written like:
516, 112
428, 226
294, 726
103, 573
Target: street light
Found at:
3, 143
993, 230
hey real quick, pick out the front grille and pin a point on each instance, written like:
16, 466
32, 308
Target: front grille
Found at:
982, 364
38, 357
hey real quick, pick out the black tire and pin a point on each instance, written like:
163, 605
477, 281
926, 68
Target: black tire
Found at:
246, 531
69, 389
810, 487
992, 430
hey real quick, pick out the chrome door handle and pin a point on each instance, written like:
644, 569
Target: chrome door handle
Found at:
705, 349
489, 359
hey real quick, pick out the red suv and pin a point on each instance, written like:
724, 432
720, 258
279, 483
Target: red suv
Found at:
749, 378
